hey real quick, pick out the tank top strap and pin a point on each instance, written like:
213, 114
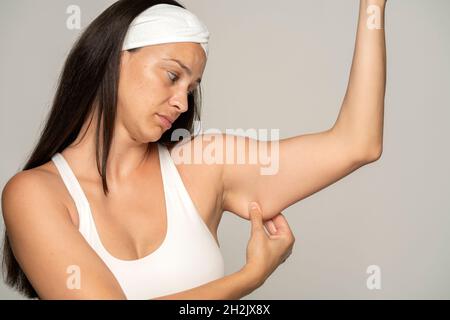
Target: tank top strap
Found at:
173, 184
74, 188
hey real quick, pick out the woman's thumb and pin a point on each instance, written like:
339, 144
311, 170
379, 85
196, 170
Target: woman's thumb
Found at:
255, 216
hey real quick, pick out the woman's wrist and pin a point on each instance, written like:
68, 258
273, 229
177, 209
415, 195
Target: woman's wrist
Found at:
253, 275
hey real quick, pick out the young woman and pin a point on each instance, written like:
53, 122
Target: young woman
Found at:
101, 209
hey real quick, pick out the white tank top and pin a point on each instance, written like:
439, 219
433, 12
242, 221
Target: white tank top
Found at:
189, 255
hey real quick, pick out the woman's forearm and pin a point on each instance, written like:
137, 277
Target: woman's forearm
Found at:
231, 287
361, 116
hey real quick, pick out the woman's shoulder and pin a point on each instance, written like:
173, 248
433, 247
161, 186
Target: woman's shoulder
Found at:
40, 177
29, 186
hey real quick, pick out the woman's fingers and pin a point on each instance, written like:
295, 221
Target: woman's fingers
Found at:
281, 224
256, 218
270, 226
277, 225
268, 250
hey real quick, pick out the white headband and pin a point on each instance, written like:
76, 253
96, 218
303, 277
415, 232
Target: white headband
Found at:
164, 23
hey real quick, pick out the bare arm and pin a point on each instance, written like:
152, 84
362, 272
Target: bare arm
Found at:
231, 287
265, 252
362, 111
308, 163
46, 243
48, 246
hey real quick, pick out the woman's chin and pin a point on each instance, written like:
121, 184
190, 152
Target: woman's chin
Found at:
155, 134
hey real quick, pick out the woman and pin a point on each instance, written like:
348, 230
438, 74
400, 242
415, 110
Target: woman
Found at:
107, 146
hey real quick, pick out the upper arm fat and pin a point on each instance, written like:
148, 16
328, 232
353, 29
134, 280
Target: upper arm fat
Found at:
302, 165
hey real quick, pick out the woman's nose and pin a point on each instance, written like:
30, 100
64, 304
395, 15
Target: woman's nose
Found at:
180, 100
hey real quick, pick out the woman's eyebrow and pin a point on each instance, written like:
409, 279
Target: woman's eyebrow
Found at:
182, 65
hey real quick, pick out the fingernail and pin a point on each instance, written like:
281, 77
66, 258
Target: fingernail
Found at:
252, 206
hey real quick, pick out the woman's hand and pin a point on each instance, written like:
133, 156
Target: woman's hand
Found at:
265, 252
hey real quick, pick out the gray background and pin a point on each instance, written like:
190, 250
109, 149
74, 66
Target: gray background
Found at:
285, 65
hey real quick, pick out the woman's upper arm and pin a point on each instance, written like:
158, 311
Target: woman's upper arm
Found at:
49, 248
298, 167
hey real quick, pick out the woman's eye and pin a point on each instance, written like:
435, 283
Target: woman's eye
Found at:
172, 76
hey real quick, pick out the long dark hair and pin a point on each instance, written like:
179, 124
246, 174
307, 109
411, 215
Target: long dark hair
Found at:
90, 78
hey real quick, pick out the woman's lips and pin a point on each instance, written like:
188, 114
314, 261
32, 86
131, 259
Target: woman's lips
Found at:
165, 122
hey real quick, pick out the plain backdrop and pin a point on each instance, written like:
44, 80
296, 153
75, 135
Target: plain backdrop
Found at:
285, 65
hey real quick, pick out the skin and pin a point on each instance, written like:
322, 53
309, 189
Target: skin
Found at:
133, 174
307, 164
146, 70
145, 88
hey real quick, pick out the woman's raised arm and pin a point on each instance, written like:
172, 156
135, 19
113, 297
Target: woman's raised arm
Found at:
302, 165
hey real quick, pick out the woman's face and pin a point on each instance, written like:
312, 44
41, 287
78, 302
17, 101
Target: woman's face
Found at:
152, 84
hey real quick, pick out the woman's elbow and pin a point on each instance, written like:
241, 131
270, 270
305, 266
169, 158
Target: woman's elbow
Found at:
372, 154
